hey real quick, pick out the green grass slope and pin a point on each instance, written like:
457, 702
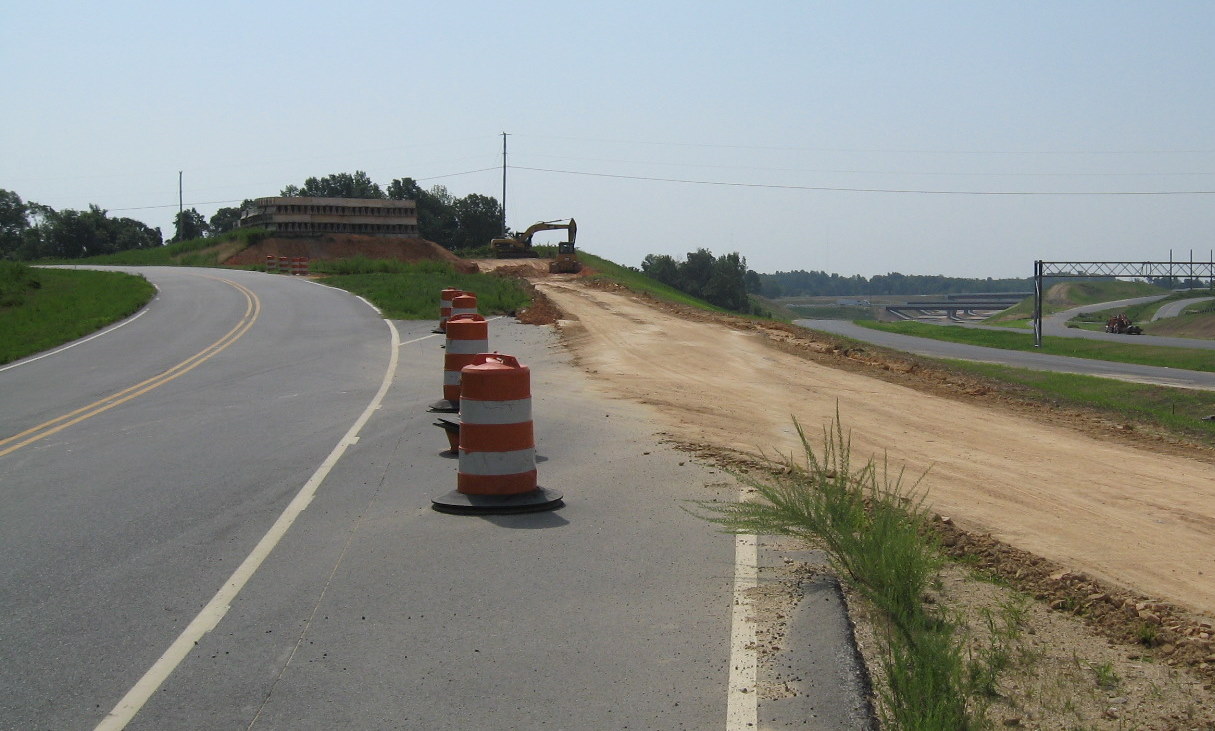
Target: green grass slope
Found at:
44, 308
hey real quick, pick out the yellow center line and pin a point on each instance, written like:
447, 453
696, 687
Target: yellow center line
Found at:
252, 311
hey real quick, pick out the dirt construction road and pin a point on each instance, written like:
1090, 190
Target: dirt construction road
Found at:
1127, 515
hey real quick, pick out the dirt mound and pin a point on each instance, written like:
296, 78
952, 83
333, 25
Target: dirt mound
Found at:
1060, 294
515, 267
542, 311
525, 268
346, 246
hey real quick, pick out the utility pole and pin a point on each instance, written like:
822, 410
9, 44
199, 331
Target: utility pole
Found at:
503, 183
181, 208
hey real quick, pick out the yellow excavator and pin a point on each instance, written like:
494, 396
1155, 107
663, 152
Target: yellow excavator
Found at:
520, 246
566, 261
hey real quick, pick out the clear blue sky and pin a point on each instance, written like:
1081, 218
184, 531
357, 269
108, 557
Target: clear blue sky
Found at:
786, 115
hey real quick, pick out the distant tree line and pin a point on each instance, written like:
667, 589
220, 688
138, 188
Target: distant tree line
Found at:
801, 283
30, 230
723, 281
1179, 282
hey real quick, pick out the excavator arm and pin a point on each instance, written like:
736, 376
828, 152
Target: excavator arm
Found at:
526, 236
520, 245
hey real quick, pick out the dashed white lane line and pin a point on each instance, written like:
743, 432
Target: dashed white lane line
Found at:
214, 611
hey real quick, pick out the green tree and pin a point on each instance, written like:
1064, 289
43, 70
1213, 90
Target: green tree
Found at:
14, 220
71, 234
226, 219
190, 224
720, 281
478, 219
337, 185
661, 267
752, 282
127, 233
436, 215
695, 272
727, 284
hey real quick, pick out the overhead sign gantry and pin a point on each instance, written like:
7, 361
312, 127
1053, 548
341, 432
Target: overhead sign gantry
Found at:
1192, 270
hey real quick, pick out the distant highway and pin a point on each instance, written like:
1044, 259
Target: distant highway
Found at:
1173, 309
1033, 360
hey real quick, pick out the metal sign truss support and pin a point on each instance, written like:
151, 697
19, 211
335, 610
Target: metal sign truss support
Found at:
1192, 270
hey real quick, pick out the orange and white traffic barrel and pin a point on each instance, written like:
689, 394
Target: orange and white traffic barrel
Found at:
467, 335
299, 267
464, 303
271, 264
284, 265
497, 472
445, 298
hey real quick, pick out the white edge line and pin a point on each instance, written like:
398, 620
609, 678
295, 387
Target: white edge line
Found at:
214, 611
94, 336
742, 699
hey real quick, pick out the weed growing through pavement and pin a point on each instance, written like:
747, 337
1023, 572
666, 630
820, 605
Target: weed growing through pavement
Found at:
873, 531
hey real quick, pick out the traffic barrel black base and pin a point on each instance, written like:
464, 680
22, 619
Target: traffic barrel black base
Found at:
444, 406
452, 430
462, 503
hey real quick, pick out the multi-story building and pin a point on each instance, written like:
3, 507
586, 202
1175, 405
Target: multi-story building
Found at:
286, 216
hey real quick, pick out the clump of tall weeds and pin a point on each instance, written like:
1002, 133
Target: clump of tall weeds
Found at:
872, 529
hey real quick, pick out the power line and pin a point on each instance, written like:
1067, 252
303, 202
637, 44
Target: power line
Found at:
867, 190
787, 148
466, 172
829, 171
173, 205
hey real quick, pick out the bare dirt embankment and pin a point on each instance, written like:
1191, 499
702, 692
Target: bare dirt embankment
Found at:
1089, 515
1128, 514
345, 246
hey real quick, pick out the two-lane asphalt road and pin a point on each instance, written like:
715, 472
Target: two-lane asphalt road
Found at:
1173, 309
218, 516
139, 468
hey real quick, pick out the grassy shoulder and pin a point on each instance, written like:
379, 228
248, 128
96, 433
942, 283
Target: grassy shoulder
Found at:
204, 252
410, 291
1177, 411
832, 312
1188, 359
404, 291
43, 308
